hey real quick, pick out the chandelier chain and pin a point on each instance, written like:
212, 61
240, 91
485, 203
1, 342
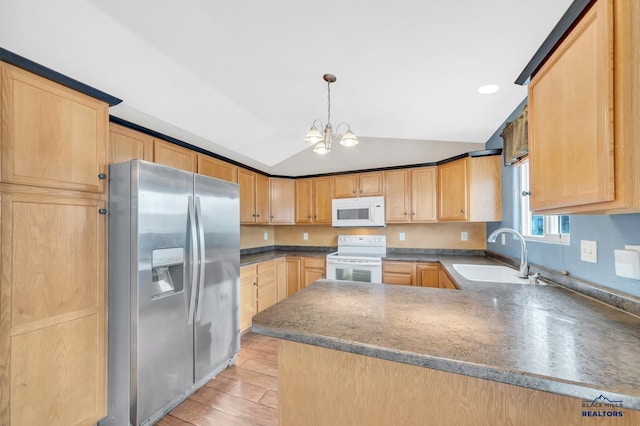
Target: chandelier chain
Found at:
328, 102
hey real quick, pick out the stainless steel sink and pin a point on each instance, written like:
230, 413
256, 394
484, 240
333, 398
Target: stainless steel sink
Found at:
489, 273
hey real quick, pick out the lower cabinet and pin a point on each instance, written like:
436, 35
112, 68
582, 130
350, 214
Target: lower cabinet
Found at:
261, 285
248, 295
313, 268
444, 281
397, 272
53, 329
281, 278
427, 274
294, 274
420, 274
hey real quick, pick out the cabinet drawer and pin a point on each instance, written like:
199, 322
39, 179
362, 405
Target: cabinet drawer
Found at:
314, 262
394, 278
397, 267
266, 267
248, 271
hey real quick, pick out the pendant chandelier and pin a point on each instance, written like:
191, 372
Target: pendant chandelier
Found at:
322, 140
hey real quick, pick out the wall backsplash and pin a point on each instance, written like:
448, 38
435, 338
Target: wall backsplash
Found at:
423, 235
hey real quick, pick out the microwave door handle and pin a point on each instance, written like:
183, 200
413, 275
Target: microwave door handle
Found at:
202, 260
194, 260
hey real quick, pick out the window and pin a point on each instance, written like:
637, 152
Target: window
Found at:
548, 228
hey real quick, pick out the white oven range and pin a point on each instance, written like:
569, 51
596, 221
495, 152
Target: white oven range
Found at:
359, 258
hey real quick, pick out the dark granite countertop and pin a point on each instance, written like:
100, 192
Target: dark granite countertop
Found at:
262, 256
541, 337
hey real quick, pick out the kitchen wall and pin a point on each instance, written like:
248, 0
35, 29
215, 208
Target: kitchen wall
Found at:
423, 235
610, 231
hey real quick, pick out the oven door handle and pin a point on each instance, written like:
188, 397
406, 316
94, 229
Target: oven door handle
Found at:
353, 262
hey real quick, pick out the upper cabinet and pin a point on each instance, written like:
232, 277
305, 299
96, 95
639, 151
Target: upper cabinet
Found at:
218, 169
126, 144
254, 197
583, 116
357, 185
469, 190
173, 155
313, 200
66, 129
410, 195
281, 200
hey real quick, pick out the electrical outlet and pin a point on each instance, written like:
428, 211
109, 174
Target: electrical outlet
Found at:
589, 251
464, 236
402, 236
266, 236
305, 236
503, 239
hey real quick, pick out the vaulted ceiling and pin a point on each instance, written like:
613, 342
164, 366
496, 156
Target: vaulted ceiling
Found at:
243, 78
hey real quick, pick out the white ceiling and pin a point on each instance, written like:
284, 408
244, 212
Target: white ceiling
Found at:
244, 78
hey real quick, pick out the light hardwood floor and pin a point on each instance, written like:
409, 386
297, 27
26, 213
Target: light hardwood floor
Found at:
243, 394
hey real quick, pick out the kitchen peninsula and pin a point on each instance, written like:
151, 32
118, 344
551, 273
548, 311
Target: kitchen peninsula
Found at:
356, 353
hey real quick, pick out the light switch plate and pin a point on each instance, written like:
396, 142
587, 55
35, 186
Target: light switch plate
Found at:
402, 236
266, 236
464, 236
305, 236
589, 251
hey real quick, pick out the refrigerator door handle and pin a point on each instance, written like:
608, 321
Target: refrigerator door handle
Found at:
199, 219
194, 260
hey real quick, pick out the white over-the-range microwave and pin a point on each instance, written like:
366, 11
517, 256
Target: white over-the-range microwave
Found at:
363, 211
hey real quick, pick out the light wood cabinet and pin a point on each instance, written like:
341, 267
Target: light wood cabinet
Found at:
470, 190
313, 200
281, 201
444, 281
53, 328
584, 105
267, 288
281, 278
313, 268
254, 197
126, 144
358, 185
248, 295
258, 289
397, 272
51, 136
410, 195
173, 155
427, 275
53, 308
294, 273
422, 274
216, 168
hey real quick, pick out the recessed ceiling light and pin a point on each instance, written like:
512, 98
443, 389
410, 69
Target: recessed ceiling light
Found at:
488, 89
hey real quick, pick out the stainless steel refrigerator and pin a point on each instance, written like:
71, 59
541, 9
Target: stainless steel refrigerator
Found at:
174, 255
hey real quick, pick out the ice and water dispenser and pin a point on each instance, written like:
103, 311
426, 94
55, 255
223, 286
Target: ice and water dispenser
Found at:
167, 271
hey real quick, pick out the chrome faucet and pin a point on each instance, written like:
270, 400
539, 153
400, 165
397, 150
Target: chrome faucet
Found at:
524, 265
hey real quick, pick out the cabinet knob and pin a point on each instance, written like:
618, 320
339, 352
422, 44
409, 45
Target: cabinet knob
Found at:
413, 213
102, 211
405, 213
354, 191
257, 215
315, 216
526, 193
102, 176
271, 216
309, 217
461, 210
